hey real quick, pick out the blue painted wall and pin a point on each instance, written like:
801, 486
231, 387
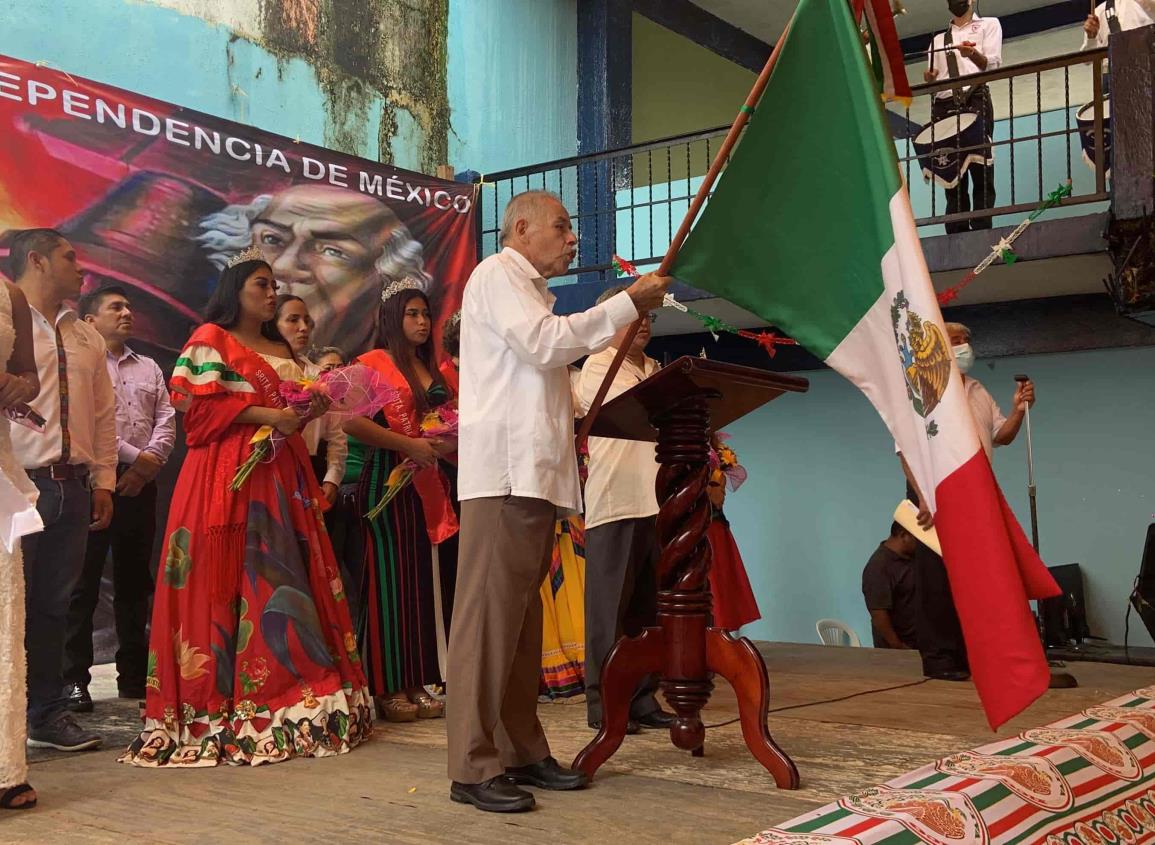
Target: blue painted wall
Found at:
824, 483
174, 57
512, 82
512, 74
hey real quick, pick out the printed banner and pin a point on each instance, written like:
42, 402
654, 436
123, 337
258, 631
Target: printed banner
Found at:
1088, 779
156, 197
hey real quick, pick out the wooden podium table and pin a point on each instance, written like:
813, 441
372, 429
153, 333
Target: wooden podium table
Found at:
680, 406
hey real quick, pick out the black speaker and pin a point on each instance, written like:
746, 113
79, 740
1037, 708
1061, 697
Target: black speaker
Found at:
1143, 596
1065, 616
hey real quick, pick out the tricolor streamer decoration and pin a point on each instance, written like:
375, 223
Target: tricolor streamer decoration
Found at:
768, 340
1003, 249
885, 49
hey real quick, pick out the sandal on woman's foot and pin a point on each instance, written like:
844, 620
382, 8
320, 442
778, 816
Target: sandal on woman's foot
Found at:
428, 707
396, 710
9, 796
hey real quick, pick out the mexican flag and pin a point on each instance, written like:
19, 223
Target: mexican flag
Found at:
810, 227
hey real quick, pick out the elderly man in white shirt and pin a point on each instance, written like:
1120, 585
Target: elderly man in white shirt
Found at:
517, 473
72, 463
1116, 16
969, 45
940, 639
621, 532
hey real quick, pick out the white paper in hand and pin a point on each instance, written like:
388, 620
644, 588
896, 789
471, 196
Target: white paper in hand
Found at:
18, 516
906, 515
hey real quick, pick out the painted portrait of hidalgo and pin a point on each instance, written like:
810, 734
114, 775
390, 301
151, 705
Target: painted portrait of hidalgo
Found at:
334, 248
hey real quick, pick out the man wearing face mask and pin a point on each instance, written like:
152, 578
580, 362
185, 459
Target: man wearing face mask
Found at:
969, 45
940, 640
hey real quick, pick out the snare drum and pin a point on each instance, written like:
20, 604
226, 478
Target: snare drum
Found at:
1085, 120
945, 159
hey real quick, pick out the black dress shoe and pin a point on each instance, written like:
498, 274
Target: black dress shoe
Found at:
79, 701
496, 795
950, 675
138, 693
63, 735
547, 774
632, 727
657, 719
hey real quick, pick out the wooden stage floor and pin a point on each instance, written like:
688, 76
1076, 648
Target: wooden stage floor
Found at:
394, 789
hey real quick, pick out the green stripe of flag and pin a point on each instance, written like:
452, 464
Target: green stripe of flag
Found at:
801, 245
814, 824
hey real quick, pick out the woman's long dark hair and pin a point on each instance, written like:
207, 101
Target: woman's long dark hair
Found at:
391, 336
224, 308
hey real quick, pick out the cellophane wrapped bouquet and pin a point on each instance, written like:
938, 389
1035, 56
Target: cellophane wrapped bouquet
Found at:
355, 390
439, 423
724, 462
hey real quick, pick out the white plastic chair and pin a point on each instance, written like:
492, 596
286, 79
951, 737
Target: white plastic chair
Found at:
834, 632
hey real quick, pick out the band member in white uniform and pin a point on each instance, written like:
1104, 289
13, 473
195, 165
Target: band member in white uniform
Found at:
1116, 16
978, 47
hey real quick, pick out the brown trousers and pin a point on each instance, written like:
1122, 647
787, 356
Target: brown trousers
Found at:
495, 642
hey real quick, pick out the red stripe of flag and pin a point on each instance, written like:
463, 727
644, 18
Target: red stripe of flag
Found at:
993, 572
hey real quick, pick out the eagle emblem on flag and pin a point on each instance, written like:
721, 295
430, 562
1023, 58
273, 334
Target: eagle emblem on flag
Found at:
925, 357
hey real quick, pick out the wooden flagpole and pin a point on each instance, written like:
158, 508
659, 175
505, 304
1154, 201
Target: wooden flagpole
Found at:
684, 230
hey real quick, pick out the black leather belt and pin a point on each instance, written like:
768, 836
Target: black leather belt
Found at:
60, 472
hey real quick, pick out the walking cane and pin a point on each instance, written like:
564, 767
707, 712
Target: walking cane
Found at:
1059, 680
1031, 489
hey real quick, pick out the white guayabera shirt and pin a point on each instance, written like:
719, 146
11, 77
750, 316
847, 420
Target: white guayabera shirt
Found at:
516, 408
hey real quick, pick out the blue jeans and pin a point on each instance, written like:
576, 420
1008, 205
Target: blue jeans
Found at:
53, 561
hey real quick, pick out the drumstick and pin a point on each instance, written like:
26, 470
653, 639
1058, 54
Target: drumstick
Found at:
950, 47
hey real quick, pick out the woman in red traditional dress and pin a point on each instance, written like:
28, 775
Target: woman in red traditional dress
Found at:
734, 604
252, 658
403, 635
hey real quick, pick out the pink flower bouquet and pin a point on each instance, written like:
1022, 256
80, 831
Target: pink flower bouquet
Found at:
355, 390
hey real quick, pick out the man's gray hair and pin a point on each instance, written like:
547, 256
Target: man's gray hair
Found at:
229, 231
610, 293
522, 207
960, 328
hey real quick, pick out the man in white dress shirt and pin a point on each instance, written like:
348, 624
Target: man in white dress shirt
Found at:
517, 473
72, 463
1116, 16
621, 595
969, 45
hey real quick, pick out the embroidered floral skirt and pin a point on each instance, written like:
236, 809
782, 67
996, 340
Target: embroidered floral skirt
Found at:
252, 658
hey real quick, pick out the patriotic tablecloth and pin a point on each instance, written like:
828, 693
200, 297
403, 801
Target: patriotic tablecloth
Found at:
1085, 780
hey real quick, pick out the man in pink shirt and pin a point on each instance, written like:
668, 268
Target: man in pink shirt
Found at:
145, 435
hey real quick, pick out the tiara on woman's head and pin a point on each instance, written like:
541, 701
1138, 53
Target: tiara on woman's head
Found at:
407, 283
250, 254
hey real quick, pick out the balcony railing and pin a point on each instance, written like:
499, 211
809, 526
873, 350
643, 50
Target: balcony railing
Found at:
630, 200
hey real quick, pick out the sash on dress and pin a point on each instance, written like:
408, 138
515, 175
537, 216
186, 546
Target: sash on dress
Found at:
431, 484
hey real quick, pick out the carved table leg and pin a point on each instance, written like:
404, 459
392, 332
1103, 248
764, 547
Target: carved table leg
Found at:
630, 660
739, 662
